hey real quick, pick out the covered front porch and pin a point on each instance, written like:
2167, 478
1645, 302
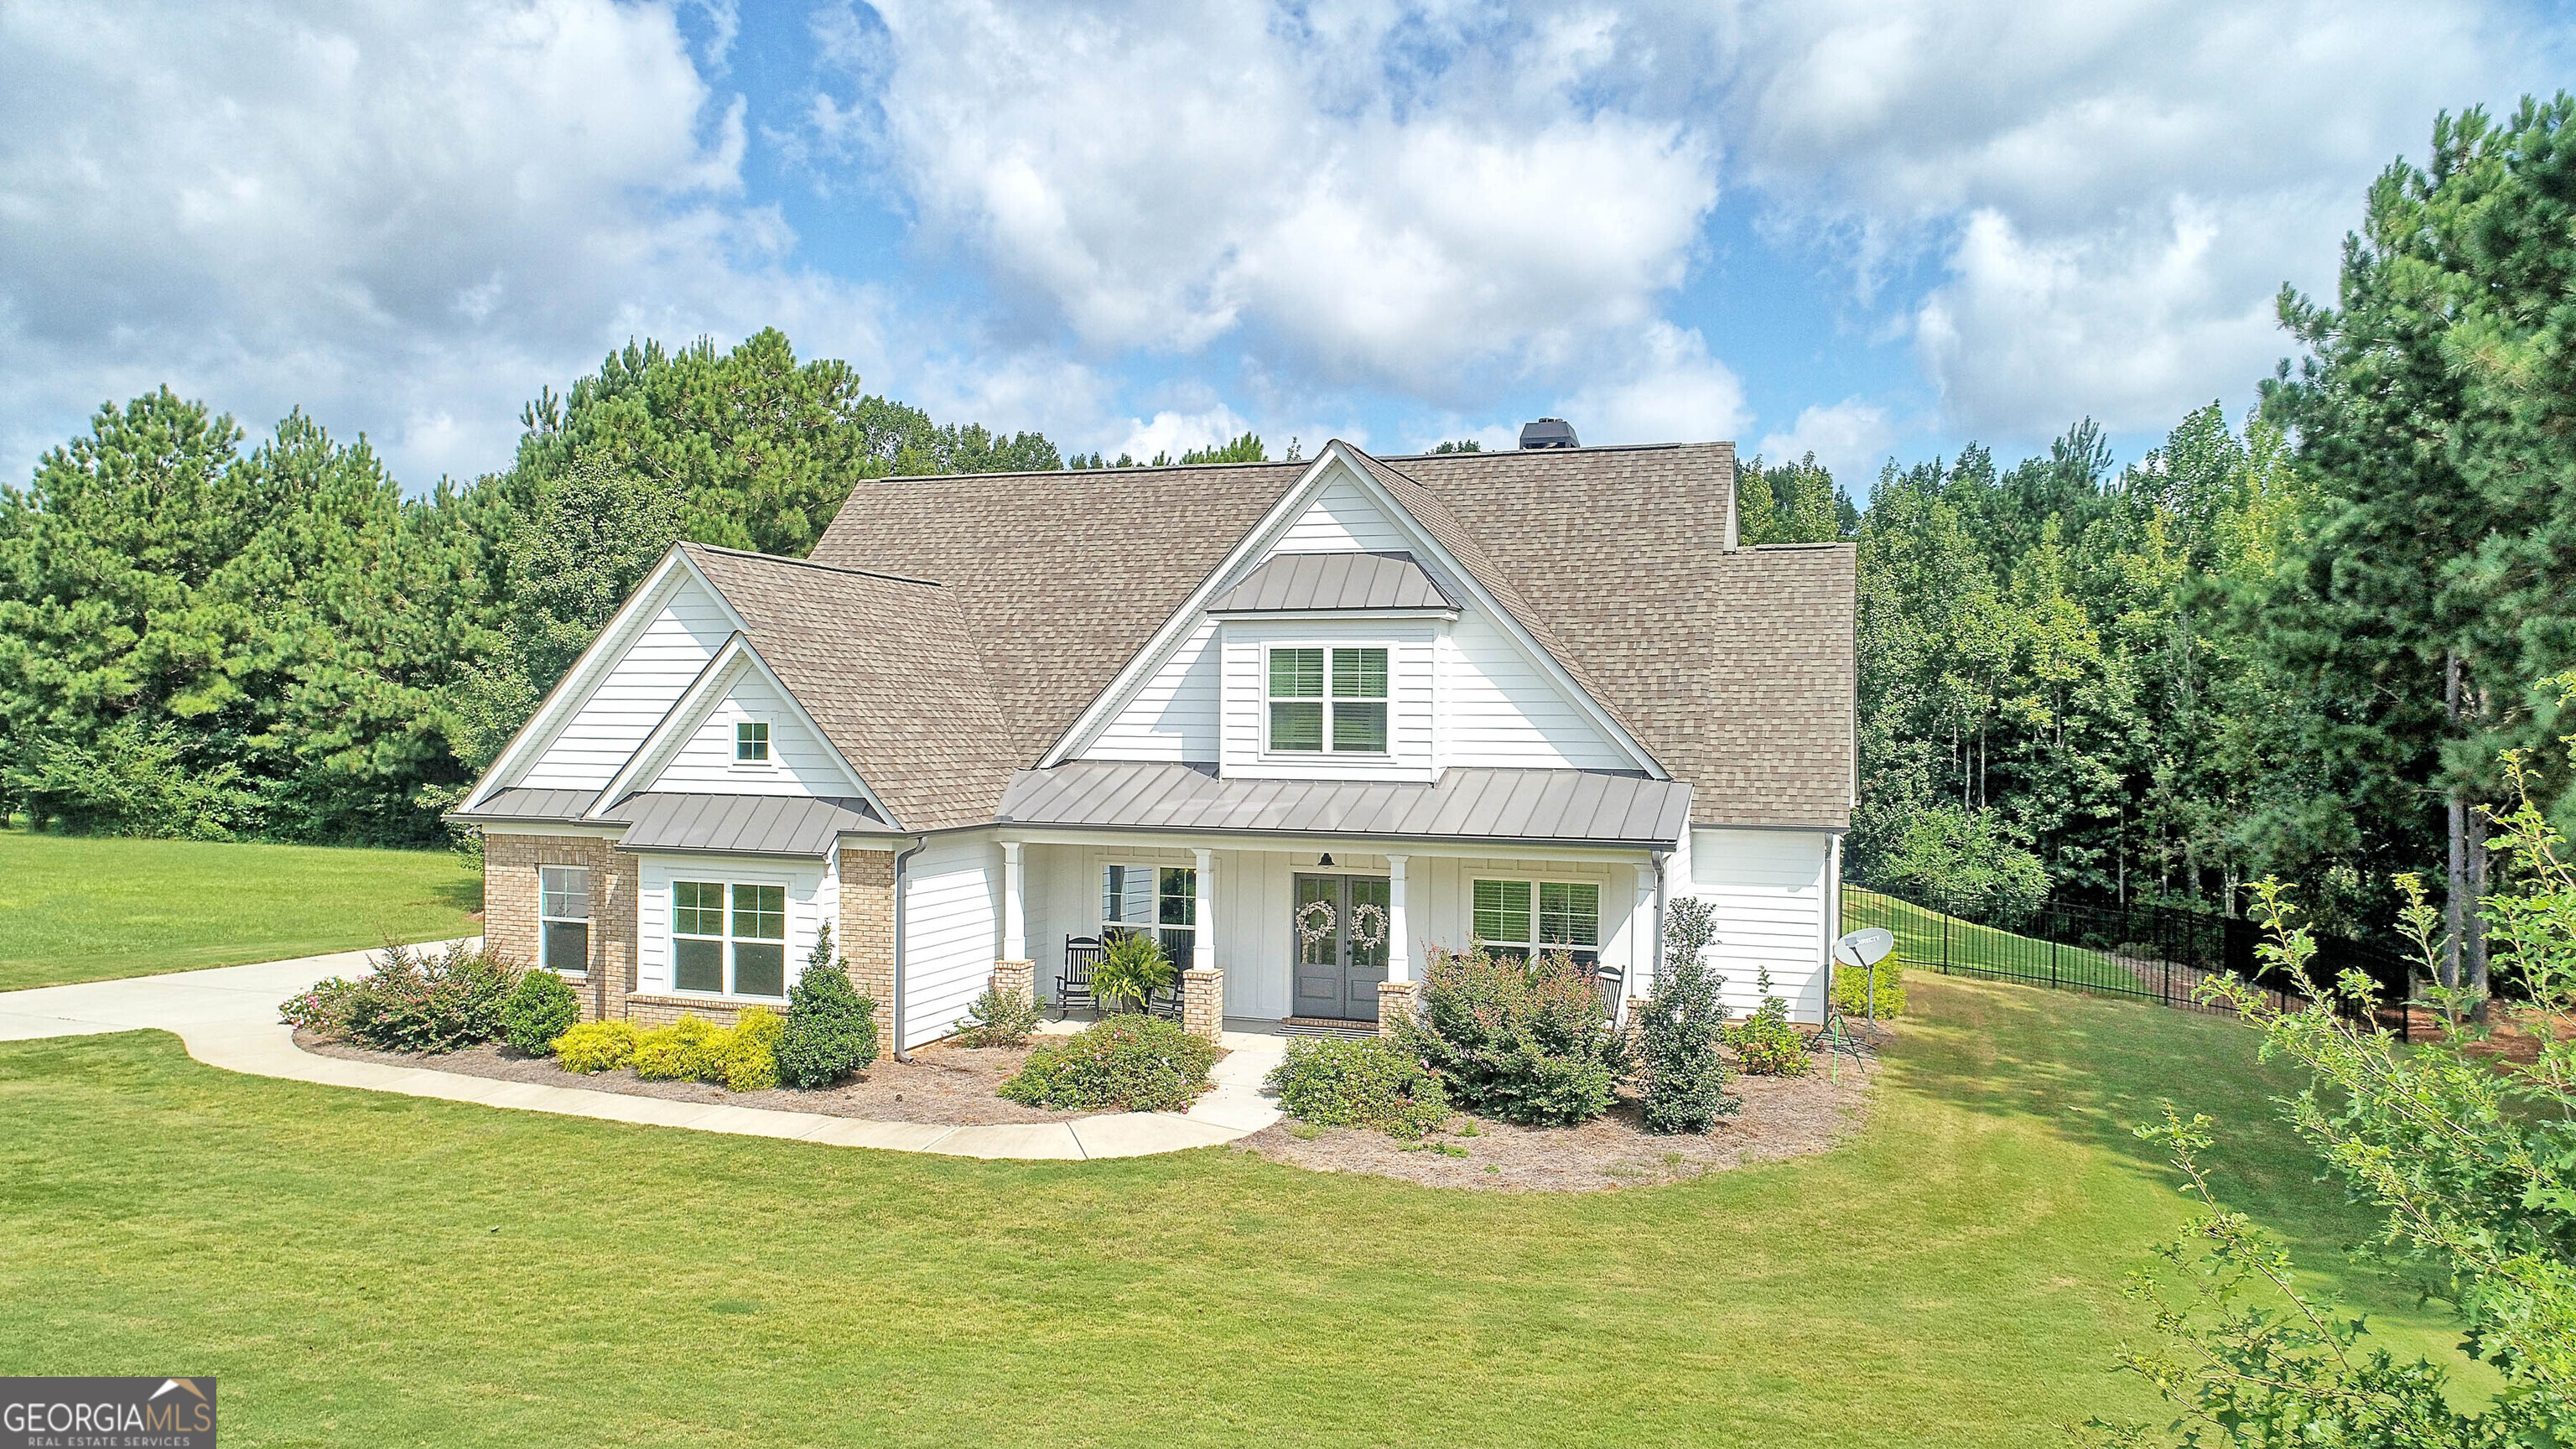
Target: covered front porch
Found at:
1319, 932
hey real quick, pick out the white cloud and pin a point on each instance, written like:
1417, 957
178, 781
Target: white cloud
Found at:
1666, 389
1850, 438
1176, 433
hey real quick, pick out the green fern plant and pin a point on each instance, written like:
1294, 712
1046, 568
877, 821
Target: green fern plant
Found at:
1132, 969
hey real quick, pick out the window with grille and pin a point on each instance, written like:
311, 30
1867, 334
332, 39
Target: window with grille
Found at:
1327, 700
563, 919
729, 938
1523, 917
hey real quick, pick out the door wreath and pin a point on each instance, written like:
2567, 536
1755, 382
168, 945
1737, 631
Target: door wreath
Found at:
1368, 927
1315, 922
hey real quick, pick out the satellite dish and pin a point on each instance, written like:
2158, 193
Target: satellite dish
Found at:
1865, 948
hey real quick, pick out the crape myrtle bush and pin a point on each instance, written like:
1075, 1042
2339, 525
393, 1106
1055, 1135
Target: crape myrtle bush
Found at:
412, 1002
540, 1009
1523, 1041
1367, 1082
831, 1030
1138, 1063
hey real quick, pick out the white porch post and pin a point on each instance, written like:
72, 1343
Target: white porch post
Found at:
1202, 985
1015, 974
1395, 996
1644, 971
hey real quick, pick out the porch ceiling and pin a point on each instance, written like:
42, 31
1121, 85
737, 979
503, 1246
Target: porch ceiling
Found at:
1587, 807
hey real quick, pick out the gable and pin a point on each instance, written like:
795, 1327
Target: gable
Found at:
699, 756
623, 687
1342, 519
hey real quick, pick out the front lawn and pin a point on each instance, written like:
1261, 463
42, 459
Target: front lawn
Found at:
82, 909
360, 1268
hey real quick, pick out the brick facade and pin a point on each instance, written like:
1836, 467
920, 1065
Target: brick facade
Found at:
1203, 1003
865, 933
1016, 978
510, 909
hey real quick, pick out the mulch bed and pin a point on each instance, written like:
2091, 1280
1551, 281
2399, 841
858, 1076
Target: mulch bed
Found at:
1781, 1117
949, 1085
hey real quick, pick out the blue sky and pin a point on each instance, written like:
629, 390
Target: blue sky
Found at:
1874, 230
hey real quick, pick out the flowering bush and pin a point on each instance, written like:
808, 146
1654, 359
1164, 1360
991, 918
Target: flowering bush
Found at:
1140, 1063
997, 1018
1368, 1082
324, 1009
411, 1002
1526, 1041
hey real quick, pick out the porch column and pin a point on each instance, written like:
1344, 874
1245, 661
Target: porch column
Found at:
1203, 985
1644, 971
1396, 996
1014, 974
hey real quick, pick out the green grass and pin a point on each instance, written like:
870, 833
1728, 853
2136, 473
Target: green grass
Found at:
367, 1269
79, 909
1919, 941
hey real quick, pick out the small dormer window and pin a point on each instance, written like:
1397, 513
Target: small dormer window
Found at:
1328, 699
751, 742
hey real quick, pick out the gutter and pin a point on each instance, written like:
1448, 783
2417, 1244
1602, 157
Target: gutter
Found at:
918, 845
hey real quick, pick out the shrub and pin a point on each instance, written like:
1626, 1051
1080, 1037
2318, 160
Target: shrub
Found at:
540, 1009
1368, 1082
1679, 1029
1523, 1041
1131, 970
596, 1046
831, 1030
408, 1002
750, 1060
1852, 990
1765, 1044
133, 778
1140, 1063
998, 1018
691, 1049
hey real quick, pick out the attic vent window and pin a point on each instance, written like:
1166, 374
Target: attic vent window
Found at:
751, 742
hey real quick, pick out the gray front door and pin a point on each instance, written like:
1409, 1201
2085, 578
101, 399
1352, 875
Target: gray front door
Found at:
1340, 934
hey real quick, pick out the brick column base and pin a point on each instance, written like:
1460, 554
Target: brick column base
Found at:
1395, 1001
1016, 979
1203, 1003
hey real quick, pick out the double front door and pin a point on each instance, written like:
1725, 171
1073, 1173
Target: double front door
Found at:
1342, 930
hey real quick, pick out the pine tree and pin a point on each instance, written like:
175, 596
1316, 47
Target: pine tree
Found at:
1679, 1027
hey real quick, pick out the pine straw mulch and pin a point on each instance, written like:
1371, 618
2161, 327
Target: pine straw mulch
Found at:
1781, 1117
946, 1085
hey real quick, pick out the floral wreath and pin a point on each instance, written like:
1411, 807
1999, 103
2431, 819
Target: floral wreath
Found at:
1314, 921
1368, 927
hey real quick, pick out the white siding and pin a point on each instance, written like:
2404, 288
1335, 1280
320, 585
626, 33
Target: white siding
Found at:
799, 764
1411, 648
952, 932
1500, 709
640, 688
810, 902
1174, 715
1343, 519
1773, 900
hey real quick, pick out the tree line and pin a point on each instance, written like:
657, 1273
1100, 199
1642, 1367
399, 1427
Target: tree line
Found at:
2298, 641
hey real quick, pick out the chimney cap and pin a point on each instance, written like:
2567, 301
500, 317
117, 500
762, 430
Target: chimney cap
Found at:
1549, 433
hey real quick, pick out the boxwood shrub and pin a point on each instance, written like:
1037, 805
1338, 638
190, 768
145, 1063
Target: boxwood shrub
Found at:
541, 1008
1137, 1063
1366, 1082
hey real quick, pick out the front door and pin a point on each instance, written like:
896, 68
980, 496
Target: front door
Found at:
1340, 923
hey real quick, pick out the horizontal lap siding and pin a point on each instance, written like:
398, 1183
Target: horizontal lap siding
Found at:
1174, 715
1343, 519
801, 764
1769, 888
639, 691
952, 932
1410, 693
1498, 709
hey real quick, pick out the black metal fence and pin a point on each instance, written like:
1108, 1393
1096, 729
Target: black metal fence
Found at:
2146, 953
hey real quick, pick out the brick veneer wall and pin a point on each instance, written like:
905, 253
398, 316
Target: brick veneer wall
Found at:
865, 932
510, 909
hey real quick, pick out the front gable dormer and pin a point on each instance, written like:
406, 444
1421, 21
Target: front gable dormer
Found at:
1273, 667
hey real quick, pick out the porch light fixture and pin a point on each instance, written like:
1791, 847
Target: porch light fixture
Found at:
1327, 860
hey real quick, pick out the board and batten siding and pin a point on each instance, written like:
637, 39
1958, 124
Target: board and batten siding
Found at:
1773, 892
799, 764
812, 898
952, 916
639, 690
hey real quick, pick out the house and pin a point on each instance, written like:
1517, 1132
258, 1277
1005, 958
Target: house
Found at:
1303, 720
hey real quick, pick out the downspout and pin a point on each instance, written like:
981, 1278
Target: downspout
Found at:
901, 856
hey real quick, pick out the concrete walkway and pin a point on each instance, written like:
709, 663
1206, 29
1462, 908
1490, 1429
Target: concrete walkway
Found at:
228, 1018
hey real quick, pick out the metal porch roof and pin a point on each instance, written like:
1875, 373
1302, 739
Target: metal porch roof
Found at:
1587, 807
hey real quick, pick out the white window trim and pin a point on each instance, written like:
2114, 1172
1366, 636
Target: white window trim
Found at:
768, 746
1536, 883
672, 936
544, 920
1100, 904
1272, 756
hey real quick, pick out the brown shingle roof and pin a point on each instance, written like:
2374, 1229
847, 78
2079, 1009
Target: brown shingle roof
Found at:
887, 666
1735, 669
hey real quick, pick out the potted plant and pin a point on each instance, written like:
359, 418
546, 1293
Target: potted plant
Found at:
1131, 969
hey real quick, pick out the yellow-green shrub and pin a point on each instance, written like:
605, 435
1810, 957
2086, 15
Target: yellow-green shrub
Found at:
751, 1062
596, 1046
691, 1049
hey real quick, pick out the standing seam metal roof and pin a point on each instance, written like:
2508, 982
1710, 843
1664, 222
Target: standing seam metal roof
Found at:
1563, 806
1295, 582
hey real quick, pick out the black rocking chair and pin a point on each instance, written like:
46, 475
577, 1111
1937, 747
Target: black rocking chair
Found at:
1073, 988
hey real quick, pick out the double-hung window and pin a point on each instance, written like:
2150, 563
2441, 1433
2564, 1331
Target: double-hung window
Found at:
751, 742
563, 919
1328, 700
1524, 918
1163, 899
740, 951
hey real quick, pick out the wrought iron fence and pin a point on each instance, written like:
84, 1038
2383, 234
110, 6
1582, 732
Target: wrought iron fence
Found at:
2146, 953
